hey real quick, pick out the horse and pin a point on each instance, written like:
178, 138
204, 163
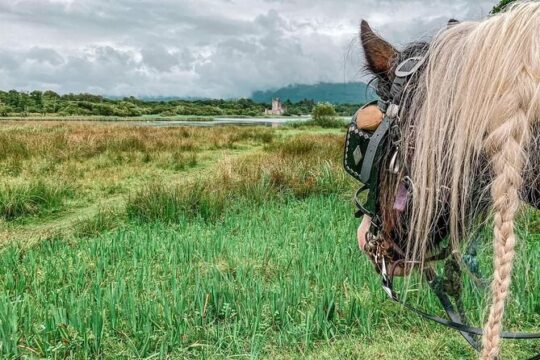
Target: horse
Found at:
469, 125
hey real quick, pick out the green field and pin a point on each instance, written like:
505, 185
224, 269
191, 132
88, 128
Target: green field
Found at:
123, 242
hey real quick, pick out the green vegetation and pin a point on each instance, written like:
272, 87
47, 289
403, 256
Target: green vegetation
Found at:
18, 200
501, 5
324, 115
48, 103
323, 110
206, 243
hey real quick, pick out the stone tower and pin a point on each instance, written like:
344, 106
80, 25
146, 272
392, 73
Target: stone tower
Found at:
277, 108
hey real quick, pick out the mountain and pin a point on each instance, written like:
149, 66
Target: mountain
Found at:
336, 93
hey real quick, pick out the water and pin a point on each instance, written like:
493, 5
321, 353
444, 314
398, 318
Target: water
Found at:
225, 121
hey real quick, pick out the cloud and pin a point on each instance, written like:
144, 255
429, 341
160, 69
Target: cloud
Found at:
208, 48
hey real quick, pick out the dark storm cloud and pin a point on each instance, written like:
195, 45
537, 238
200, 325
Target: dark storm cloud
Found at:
201, 47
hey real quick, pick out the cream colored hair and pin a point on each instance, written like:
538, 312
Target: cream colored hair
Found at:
475, 106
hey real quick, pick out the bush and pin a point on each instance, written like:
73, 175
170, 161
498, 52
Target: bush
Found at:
328, 122
323, 111
4, 110
324, 115
72, 109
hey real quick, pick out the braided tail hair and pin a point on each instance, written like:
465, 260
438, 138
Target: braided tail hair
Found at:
506, 143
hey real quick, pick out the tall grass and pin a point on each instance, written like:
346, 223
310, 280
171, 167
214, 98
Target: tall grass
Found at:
294, 168
100, 160
262, 277
63, 141
106, 219
265, 279
31, 198
254, 257
323, 122
175, 204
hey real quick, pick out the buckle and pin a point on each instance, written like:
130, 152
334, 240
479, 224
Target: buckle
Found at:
395, 163
392, 111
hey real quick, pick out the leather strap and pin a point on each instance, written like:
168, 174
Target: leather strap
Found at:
370, 156
470, 333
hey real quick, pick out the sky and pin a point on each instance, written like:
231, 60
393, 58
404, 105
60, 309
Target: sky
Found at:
202, 48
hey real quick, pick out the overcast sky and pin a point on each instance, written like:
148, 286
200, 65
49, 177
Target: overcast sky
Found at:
201, 48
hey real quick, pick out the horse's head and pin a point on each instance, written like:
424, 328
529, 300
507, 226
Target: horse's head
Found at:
469, 123
382, 59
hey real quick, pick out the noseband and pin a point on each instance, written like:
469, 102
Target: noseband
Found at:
363, 158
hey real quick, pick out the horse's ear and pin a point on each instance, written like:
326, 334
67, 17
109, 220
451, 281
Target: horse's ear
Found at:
379, 53
452, 22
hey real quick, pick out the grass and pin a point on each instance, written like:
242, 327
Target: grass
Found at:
259, 280
327, 122
101, 160
294, 168
29, 198
208, 243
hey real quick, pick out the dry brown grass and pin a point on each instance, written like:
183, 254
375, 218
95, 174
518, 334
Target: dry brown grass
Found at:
99, 160
85, 140
296, 167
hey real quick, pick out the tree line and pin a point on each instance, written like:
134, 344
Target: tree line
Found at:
17, 103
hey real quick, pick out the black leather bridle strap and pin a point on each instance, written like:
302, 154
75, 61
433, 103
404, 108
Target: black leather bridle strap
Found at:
388, 287
454, 316
378, 136
468, 332
403, 73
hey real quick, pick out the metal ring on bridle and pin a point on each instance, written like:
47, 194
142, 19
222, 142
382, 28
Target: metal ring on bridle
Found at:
395, 165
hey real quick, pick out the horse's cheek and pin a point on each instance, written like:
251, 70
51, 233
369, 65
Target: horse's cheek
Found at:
362, 231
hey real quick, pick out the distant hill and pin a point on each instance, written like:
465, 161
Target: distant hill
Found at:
337, 93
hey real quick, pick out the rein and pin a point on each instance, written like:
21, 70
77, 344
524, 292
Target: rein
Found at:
363, 155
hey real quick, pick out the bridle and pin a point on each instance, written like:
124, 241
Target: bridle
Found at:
363, 158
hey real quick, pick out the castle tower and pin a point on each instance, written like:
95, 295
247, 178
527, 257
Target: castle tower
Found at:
277, 108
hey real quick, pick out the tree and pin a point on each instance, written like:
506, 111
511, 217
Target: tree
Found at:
37, 101
324, 115
323, 111
502, 4
49, 107
13, 100
50, 95
4, 110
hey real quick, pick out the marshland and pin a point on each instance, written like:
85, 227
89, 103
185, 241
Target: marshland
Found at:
121, 241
